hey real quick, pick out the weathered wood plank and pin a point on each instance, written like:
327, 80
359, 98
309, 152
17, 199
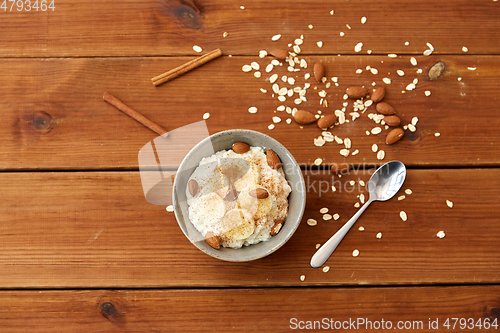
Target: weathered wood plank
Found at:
145, 28
249, 310
95, 229
55, 117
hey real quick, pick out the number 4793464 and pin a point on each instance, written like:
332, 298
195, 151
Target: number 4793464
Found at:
27, 5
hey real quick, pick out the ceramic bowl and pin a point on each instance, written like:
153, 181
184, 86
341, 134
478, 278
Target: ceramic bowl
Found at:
223, 141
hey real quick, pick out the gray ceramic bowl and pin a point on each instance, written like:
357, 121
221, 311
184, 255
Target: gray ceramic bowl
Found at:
224, 140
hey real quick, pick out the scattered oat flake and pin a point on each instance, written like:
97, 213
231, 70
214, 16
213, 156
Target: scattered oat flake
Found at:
352, 183
362, 198
344, 152
374, 71
318, 246
413, 61
246, 68
427, 52
356, 152
400, 72
318, 161
271, 127
356, 205
358, 47
276, 119
332, 12
334, 189
336, 216
361, 183
262, 53
320, 44
263, 90
408, 191
374, 148
197, 48
327, 217
392, 55
255, 65
206, 115
376, 130
326, 269
361, 228
411, 86
427, 93
459, 79
414, 121
342, 34
242, 7
257, 74
363, 20
170, 208
359, 71
323, 210
403, 215
441, 234
465, 49
401, 197
379, 235
449, 203
381, 155
386, 80
276, 37
472, 68
225, 34
302, 277
437, 134
312, 222
355, 253
252, 109
412, 127
289, 121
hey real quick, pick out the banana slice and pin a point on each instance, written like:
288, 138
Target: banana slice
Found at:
239, 172
208, 209
257, 207
237, 224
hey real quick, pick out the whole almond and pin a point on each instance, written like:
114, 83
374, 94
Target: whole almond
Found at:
378, 94
259, 193
279, 54
212, 240
277, 227
385, 108
394, 136
356, 92
392, 120
193, 187
327, 121
304, 117
240, 147
273, 160
319, 71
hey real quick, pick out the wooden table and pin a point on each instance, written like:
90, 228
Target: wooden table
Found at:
82, 251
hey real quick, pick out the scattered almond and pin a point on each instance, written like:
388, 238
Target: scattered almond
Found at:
240, 147
277, 227
259, 193
385, 108
327, 121
273, 160
392, 120
319, 71
193, 187
356, 92
212, 240
378, 94
394, 136
304, 117
279, 54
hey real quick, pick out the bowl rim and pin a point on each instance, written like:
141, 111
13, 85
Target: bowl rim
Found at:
301, 184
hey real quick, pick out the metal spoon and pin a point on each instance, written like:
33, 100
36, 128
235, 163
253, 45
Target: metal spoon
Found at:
383, 185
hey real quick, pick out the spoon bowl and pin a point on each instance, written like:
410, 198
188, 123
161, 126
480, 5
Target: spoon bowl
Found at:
383, 185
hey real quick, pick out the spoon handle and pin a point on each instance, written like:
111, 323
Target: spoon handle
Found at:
324, 252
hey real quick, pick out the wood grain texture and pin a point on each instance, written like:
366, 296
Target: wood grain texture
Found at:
245, 310
55, 117
95, 229
172, 27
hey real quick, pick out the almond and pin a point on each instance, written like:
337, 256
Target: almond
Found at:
273, 160
319, 71
259, 193
356, 92
304, 117
327, 121
240, 147
279, 54
277, 227
394, 136
193, 187
385, 108
378, 94
392, 120
212, 240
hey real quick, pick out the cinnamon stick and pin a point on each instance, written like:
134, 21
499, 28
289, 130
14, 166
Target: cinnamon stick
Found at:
132, 113
178, 71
